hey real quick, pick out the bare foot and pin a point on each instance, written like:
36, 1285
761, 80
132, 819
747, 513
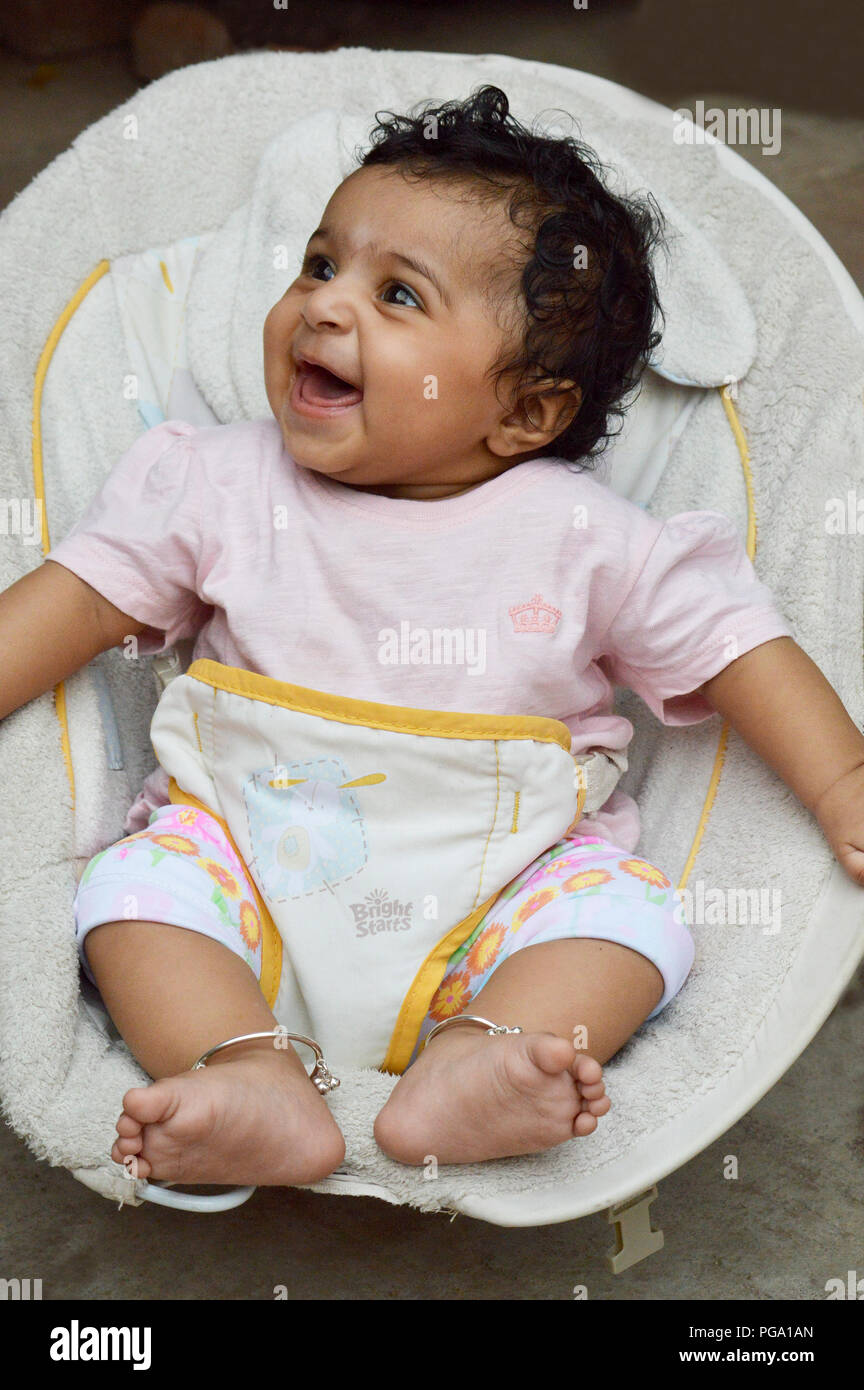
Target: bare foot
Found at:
471, 1097
255, 1119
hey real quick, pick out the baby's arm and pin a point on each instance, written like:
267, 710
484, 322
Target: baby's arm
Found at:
781, 703
51, 624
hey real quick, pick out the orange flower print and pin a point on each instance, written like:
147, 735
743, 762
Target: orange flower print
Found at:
227, 882
451, 997
648, 874
187, 816
178, 843
588, 878
485, 949
554, 866
532, 905
250, 925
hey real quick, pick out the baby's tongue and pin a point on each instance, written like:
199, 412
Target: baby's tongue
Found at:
320, 387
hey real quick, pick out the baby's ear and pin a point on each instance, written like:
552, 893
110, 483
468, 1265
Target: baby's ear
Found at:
555, 408
540, 415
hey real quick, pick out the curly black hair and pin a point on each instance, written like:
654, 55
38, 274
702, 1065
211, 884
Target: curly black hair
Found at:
587, 285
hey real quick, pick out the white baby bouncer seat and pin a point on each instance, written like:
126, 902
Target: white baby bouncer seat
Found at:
136, 271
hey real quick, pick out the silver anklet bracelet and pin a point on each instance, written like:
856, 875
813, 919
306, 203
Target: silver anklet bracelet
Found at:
496, 1029
321, 1076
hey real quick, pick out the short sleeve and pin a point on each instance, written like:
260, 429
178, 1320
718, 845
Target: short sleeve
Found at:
139, 541
695, 606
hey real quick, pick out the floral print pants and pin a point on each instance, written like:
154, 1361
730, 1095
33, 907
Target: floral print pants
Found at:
183, 870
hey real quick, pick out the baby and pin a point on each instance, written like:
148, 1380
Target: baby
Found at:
472, 312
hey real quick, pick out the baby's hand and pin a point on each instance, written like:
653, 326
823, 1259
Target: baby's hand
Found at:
840, 812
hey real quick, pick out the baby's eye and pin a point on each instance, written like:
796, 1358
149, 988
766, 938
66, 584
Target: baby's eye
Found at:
403, 289
311, 263
315, 265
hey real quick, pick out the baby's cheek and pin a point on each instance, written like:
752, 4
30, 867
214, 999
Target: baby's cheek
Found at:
278, 326
466, 390
268, 337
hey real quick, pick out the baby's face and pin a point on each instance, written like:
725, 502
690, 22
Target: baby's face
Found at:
390, 298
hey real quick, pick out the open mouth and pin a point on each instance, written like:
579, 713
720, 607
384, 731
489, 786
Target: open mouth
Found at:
321, 390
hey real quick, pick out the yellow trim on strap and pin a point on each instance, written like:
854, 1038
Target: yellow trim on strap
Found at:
39, 476
416, 1003
583, 790
720, 755
271, 941
396, 718
744, 455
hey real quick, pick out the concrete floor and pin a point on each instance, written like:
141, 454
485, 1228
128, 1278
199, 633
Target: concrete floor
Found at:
793, 1218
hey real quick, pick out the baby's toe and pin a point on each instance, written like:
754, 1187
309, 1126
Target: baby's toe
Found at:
149, 1105
597, 1107
126, 1150
136, 1166
128, 1127
584, 1123
549, 1052
587, 1071
133, 1145
594, 1092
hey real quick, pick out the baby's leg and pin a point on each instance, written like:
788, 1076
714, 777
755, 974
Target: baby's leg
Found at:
251, 1115
552, 961
180, 977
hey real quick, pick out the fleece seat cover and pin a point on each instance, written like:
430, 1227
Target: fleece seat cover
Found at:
750, 299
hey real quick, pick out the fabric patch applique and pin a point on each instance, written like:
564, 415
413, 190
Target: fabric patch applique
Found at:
305, 826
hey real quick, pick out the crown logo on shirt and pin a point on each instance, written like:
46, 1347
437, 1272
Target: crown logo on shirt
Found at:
535, 616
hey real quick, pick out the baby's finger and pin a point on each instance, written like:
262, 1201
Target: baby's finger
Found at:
852, 860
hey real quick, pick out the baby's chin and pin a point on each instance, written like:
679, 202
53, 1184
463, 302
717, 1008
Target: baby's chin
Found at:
318, 447
327, 464
338, 460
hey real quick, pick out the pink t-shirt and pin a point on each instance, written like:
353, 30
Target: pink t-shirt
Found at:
534, 593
